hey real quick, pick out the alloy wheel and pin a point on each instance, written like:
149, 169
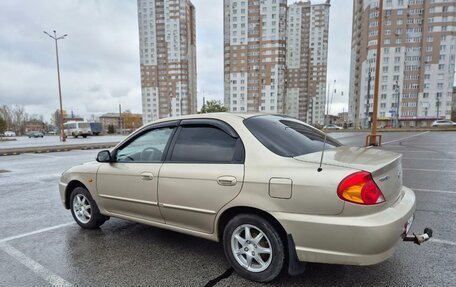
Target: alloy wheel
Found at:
251, 248
82, 208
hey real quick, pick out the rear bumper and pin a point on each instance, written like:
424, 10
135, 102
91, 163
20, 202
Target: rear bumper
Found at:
354, 240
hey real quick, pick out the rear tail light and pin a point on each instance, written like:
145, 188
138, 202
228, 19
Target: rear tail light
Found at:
360, 188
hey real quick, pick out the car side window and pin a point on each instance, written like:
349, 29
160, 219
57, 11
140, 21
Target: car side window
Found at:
206, 144
148, 147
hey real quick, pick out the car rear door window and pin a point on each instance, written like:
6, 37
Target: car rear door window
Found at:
205, 144
288, 137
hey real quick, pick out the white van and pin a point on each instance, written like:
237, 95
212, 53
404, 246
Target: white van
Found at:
75, 129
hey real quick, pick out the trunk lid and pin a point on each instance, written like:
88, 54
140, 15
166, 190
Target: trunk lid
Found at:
385, 166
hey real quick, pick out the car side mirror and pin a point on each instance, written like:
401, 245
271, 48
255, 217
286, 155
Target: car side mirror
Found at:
104, 156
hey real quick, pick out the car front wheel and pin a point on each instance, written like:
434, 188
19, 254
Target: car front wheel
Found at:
254, 248
84, 209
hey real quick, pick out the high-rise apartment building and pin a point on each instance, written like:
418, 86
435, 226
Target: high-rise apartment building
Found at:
417, 65
255, 47
276, 57
306, 61
168, 58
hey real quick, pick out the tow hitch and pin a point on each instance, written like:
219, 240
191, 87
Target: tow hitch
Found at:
419, 238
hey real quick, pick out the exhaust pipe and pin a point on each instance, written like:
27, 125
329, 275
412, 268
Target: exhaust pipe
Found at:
419, 238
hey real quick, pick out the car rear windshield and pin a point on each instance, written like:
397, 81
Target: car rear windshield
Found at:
287, 136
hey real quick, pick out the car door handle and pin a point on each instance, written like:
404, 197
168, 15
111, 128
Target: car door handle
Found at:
147, 176
227, 180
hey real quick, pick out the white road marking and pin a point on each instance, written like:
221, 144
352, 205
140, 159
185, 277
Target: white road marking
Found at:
433, 190
431, 170
419, 151
35, 267
443, 241
409, 137
425, 146
35, 232
424, 158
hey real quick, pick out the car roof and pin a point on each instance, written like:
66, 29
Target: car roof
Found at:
222, 115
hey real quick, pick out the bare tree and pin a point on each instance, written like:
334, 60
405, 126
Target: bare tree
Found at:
20, 117
2, 125
15, 118
55, 119
6, 114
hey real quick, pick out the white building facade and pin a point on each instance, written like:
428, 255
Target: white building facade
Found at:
276, 57
167, 44
254, 63
307, 61
417, 66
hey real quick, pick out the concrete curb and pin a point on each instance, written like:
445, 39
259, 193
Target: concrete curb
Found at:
55, 148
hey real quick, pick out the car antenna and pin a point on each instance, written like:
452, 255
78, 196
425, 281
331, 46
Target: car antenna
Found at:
319, 169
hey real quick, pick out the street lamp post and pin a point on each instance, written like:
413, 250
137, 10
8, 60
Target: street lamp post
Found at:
62, 135
438, 106
368, 97
373, 136
397, 88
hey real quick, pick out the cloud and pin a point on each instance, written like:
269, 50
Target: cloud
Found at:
99, 59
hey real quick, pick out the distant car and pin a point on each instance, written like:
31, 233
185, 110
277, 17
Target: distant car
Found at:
332, 127
35, 135
443, 123
253, 183
10, 134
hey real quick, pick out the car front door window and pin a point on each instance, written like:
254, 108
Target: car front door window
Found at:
148, 147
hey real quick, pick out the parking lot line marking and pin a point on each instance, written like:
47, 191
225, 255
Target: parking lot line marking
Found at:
409, 137
423, 146
430, 170
424, 158
34, 266
443, 241
420, 151
35, 232
433, 190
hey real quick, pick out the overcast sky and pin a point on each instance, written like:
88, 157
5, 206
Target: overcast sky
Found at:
99, 60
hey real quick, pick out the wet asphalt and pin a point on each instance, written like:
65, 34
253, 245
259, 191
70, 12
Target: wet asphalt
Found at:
123, 253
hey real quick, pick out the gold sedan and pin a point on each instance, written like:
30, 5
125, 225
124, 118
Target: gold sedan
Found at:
260, 184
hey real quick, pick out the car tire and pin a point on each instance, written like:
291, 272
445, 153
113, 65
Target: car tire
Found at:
85, 210
240, 248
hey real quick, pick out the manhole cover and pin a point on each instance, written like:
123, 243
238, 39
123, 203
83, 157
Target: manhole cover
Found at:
4, 170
